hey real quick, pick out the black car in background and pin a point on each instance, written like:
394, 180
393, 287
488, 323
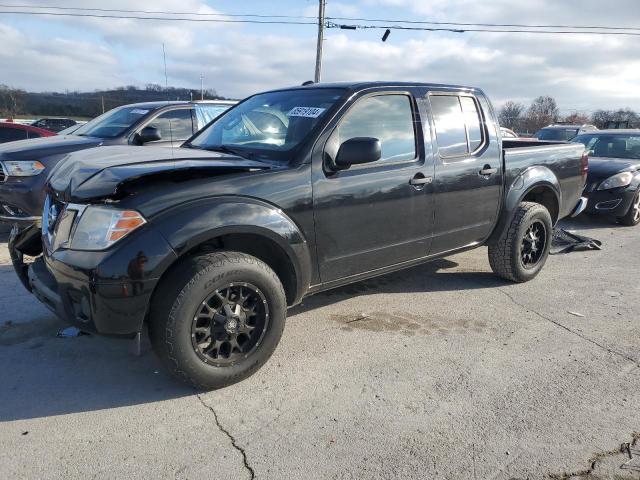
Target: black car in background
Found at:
54, 124
25, 165
562, 132
614, 173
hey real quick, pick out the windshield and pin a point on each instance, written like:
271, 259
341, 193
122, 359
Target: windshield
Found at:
269, 124
562, 134
615, 146
112, 123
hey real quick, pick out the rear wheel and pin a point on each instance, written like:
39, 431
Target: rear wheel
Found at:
217, 318
632, 217
523, 248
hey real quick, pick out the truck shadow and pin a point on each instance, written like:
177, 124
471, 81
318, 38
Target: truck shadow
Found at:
46, 376
429, 277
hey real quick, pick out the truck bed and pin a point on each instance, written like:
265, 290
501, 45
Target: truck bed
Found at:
562, 158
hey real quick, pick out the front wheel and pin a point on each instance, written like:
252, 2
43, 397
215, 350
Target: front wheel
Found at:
632, 217
523, 248
217, 318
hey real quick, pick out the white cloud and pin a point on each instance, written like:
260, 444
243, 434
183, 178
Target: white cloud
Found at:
582, 72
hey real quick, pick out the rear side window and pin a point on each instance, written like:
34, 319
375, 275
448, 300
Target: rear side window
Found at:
388, 118
207, 112
8, 134
458, 124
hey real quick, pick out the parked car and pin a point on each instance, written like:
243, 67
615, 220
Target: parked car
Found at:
563, 132
24, 166
54, 124
288, 193
11, 132
614, 174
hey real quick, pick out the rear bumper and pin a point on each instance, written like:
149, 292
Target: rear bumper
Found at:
614, 202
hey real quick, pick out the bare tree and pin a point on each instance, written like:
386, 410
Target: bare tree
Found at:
510, 115
11, 101
577, 118
543, 111
623, 117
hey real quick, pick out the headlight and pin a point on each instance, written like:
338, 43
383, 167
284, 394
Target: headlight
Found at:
100, 227
22, 168
619, 180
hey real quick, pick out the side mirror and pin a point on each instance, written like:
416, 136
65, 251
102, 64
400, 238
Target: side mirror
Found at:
149, 134
358, 150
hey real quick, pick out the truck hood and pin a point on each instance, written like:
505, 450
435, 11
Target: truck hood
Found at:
37, 148
601, 168
101, 173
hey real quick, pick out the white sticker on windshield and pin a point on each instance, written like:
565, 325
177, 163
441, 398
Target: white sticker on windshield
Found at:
139, 111
309, 112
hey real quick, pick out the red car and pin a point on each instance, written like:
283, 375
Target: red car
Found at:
10, 132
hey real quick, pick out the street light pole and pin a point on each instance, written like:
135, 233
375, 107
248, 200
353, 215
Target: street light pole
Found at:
201, 87
320, 39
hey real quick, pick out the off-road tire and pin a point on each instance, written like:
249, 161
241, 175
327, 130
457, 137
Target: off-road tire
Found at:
631, 218
505, 253
182, 291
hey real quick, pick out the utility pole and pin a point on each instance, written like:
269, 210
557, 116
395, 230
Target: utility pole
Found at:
201, 87
320, 39
102, 103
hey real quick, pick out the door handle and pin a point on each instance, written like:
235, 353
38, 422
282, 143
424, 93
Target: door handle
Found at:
420, 180
487, 170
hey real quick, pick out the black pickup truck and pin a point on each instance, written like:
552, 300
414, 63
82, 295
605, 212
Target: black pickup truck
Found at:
289, 193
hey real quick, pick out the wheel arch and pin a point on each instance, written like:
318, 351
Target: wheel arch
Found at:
242, 225
535, 184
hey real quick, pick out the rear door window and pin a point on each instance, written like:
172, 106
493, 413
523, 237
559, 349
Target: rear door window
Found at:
458, 124
207, 112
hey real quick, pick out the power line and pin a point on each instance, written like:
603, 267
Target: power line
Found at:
330, 19
135, 17
515, 25
156, 12
480, 30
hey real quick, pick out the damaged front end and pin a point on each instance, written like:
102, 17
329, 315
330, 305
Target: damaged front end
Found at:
25, 241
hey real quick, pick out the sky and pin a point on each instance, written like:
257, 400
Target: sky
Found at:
583, 72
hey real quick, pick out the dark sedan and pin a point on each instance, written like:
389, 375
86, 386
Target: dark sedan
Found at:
25, 165
614, 173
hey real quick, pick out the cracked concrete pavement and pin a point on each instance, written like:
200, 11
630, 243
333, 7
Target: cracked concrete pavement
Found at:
440, 371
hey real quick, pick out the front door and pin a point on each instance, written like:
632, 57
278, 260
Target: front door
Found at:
378, 214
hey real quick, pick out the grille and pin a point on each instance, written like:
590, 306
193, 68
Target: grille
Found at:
3, 174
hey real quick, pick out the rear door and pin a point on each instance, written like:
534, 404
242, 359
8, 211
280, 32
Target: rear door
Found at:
468, 171
378, 214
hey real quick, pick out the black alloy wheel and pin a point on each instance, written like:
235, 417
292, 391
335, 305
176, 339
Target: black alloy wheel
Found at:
533, 244
229, 324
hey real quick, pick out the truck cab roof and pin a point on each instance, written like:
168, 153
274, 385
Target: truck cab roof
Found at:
364, 85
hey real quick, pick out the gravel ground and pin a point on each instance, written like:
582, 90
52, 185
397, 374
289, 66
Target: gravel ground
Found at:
440, 371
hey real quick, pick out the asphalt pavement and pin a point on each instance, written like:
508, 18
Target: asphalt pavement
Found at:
439, 371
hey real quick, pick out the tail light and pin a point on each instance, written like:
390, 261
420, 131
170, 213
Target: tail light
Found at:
584, 166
